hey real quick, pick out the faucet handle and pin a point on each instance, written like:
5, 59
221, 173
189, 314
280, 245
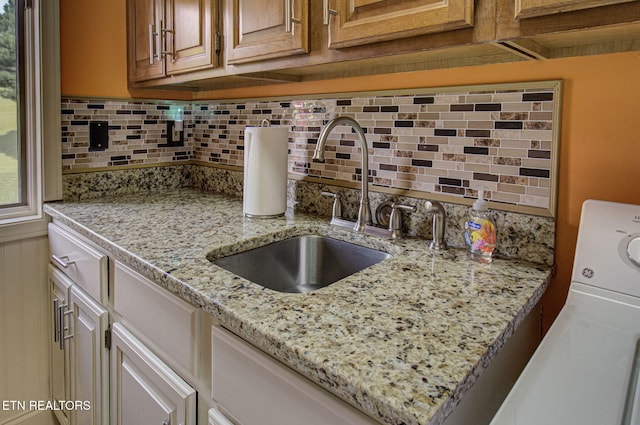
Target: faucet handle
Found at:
395, 220
336, 211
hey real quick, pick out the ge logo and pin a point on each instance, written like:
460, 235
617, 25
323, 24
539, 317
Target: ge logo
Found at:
588, 273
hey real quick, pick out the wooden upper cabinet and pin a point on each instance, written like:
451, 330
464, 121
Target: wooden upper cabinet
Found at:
357, 22
176, 43
168, 37
190, 39
143, 20
533, 8
264, 29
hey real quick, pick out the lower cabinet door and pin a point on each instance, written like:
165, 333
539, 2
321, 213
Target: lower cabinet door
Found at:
60, 361
144, 390
89, 360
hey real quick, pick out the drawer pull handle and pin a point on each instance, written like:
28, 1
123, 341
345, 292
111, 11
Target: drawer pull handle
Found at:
63, 262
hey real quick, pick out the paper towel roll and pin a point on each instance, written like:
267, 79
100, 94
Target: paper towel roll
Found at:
265, 171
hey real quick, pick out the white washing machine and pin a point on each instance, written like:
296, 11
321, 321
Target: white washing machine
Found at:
585, 371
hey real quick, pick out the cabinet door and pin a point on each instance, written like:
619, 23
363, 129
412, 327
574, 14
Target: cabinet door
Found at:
60, 362
357, 22
144, 390
144, 39
264, 29
89, 359
531, 8
190, 39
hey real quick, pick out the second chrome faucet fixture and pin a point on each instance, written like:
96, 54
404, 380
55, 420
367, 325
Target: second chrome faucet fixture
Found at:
364, 222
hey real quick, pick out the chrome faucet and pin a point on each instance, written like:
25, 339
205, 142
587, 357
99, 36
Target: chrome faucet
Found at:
439, 222
364, 211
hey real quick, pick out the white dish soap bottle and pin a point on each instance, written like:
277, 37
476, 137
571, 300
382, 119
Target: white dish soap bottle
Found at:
480, 231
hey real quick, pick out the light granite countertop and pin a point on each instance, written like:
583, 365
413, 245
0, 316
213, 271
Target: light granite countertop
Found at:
402, 340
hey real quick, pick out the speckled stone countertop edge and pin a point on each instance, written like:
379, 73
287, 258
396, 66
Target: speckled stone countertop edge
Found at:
449, 405
266, 339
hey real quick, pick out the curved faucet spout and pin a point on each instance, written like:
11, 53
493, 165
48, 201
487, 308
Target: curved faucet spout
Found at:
364, 212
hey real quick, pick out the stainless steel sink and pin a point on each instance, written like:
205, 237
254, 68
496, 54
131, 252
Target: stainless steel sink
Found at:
301, 263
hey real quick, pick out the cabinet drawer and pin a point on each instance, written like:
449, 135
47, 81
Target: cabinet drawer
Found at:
254, 389
165, 321
84, 265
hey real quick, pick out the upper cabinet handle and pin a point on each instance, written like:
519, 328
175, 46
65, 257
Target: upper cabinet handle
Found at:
171, 52
289, 16
152, 35
326, 12
159, 42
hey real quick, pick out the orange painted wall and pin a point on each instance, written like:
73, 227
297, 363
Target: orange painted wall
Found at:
93, 51
93, 55
600, 137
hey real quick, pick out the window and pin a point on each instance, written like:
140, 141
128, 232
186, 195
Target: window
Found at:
12, 148
29, 94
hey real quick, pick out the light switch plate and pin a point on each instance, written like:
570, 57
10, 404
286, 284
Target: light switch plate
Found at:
98, 135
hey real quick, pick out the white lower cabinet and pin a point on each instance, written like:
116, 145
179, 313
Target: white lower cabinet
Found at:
102, 375
252, 388
60, 359
89, 359
79, 358
161, 320
144, 390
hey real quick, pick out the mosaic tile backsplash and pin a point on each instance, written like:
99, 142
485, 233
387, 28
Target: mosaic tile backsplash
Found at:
451, 142
137, 132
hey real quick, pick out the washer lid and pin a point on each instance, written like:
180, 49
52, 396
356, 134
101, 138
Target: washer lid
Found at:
608, 248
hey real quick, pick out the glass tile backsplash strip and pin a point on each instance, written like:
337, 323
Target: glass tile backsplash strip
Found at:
452, 142
137, 129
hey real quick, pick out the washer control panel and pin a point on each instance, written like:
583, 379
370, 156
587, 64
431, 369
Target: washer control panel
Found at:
630, 250
608, 248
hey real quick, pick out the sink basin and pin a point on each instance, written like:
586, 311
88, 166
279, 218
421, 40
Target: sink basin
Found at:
301, 263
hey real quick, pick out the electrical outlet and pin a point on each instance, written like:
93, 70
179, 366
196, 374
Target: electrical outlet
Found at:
175, 134
178, 131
